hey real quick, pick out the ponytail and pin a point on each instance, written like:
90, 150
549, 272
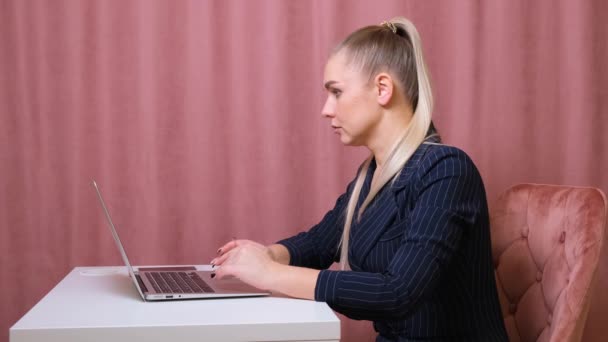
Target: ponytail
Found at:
370, 46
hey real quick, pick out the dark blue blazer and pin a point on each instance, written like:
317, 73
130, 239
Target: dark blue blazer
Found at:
420, 256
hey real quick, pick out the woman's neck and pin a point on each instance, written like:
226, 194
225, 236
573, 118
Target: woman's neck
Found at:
388, 133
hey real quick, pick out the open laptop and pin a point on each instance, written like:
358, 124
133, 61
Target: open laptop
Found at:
177, 282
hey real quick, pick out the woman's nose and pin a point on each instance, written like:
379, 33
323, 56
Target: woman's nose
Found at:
328, 110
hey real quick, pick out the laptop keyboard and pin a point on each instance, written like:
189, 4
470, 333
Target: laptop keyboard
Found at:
177, 282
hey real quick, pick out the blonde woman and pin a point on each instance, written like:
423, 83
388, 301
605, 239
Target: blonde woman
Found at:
411, 232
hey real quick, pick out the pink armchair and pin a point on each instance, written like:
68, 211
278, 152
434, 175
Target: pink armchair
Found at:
548, 246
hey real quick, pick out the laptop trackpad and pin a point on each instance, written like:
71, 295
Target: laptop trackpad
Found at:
227, 284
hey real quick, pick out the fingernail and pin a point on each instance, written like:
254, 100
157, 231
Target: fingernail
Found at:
212, 275
219, 251
212, 265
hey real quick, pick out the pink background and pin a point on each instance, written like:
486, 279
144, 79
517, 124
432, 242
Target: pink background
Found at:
201, 120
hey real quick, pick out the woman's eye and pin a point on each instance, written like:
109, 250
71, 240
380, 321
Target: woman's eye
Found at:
336, 92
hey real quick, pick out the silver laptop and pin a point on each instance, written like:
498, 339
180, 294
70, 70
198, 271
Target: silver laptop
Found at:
177, 282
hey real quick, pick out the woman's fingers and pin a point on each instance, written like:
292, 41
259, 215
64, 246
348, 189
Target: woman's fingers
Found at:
218, 261
227, 247
226, 262
237, 243
222, 272
225, 250
246, 262
228, 251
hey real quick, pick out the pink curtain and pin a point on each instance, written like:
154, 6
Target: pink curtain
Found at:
201, 120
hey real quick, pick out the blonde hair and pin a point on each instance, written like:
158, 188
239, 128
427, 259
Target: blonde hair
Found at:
393, 47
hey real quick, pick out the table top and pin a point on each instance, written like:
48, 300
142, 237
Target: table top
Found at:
103, 298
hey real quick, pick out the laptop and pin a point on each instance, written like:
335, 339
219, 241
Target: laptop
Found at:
177, 282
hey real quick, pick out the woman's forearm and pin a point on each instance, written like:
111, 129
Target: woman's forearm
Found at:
279, 253
298, 282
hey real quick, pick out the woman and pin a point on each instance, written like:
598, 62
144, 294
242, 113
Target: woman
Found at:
411, 232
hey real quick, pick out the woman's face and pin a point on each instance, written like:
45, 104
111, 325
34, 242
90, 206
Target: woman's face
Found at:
351, 103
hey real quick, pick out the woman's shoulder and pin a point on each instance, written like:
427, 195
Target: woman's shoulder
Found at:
446, 157
436, 150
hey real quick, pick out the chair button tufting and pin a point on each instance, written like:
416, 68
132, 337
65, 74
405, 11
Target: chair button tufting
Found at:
539, 276
524, 233
512, 308
562, 237
549, 319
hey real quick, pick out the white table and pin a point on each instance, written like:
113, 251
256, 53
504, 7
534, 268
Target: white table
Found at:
101, 304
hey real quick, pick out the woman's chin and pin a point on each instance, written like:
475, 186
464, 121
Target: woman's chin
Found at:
348, 141
345, 140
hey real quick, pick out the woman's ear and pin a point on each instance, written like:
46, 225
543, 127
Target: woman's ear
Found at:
384, 87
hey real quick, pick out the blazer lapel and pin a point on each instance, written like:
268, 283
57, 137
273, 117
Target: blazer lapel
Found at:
376, 218
381, 213
405, 176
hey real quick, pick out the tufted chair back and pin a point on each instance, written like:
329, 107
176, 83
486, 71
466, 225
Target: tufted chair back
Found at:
547, 246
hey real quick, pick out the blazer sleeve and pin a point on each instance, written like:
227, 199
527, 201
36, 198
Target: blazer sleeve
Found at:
318, 247
449, 192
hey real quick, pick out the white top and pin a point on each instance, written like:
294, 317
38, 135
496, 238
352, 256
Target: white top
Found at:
102, 304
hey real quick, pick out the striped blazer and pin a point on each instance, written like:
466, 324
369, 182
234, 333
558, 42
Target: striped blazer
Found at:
420, 255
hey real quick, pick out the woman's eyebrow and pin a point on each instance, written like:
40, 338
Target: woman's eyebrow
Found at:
328, 84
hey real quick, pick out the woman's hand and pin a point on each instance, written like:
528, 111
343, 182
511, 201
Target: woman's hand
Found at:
247, 260
265, 268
